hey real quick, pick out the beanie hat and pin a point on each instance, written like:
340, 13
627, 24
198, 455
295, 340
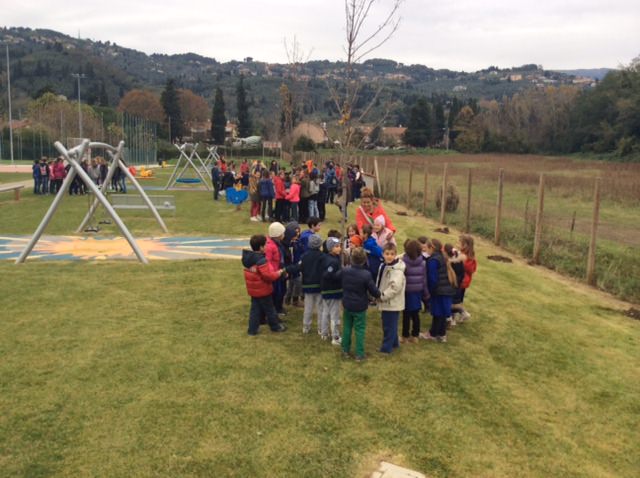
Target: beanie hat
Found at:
276, 229
380, 220
315, 241
356, 241
331, 243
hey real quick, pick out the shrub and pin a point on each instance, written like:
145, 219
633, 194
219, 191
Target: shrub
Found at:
304, 143
452, 198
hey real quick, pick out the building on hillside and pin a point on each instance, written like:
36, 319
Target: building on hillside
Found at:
200, 130
317, 133
230, 131
393, 134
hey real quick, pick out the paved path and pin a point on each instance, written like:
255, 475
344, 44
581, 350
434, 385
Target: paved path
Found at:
96, 248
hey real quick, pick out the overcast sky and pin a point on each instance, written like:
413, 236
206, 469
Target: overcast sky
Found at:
460, 35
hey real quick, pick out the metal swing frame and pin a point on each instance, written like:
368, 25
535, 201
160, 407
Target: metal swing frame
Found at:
73, 157
184, 161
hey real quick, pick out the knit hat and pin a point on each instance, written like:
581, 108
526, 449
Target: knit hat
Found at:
356, 241
380, 220
315, 241
276, 229
331, 243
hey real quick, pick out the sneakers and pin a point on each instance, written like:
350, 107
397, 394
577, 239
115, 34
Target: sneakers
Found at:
336, 341
281, 328
465, 315
360, 358
324, 337
412, 340
404, 340
442, 338
306, 330
427, 336
346, 355
254, 219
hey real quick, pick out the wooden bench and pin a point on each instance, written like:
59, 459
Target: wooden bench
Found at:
12, 187
134, 201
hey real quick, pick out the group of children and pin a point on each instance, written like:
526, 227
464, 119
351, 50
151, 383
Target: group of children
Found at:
353, 273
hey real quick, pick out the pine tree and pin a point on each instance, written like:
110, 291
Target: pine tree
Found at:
171, 105
218, 118
244, 121
104, 98
419, 131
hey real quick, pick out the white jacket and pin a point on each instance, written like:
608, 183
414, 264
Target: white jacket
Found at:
391, 284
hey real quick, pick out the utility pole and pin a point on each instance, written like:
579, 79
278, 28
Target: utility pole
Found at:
78, 76
9, 93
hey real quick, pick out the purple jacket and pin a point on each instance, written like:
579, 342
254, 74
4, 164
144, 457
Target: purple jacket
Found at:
416, 274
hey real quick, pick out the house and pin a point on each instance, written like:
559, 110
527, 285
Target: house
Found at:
393, 134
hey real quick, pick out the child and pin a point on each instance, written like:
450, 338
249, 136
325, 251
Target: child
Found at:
254, 196
382, 234
352, 231
311, 274
278, 181
391, 282
267, 194
416, 290
441, 280
314, 228
425, 244
331, 290
293, 255
276, 261
293, 196
259, 277
373, 250
356, 282
456, 259
468, 257
314, 188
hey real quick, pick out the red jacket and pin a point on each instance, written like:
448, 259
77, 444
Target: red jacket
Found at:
294, 193
258, 274
280, 189
272, 254
470, 266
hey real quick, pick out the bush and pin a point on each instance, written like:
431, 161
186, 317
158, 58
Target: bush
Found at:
304, 143
452, 198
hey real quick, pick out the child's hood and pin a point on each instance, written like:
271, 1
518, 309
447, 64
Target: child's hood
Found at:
252, 258
397, 265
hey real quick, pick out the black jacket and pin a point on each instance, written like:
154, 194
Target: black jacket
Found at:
331, 282
356, 282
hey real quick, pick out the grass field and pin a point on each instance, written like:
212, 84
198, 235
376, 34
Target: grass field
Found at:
119, 369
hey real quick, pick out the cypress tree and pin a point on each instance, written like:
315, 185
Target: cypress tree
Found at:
171, 105
244, 121
419, 131
218, 118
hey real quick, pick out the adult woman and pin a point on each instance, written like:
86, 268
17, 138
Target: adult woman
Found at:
370, 208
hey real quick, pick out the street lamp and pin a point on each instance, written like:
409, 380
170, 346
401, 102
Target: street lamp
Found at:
78, 76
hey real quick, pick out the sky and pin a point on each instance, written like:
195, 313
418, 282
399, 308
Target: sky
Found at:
466, 35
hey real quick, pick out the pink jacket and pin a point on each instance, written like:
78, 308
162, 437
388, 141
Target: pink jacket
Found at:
294, 193
383, 237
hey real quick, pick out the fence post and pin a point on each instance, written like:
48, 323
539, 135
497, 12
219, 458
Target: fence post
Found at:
410, 184
499, 206
385, 178
467, 226
424, 193
395, 189
443, 197
591, 262
539, 212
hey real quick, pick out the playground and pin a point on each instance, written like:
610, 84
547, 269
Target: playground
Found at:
115, 368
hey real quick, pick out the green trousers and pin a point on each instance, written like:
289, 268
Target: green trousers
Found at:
358, 322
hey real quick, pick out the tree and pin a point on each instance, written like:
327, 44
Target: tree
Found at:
244, 121
144, 104
419, 131
104, 98
192, 107
170, 101
218, 118
359, 43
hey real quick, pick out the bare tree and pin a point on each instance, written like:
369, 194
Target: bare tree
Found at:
292, 92
360, 41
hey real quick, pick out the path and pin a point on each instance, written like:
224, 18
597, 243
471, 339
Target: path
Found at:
96, 248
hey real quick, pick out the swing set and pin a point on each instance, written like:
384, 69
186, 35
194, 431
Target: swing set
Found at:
185, 161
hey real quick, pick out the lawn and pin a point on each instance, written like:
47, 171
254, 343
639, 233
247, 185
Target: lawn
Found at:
119, 369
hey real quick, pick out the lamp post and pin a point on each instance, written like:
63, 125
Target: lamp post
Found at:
78, 76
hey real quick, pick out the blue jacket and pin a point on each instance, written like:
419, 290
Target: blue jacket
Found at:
266, 189
331, 280
374, 255
304, 240
356, 282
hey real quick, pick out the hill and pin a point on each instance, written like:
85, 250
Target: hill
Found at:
595, 73
44, 60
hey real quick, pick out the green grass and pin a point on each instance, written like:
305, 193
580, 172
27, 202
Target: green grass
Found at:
119, 369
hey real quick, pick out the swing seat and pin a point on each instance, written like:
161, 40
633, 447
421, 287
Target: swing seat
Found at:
189, 180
